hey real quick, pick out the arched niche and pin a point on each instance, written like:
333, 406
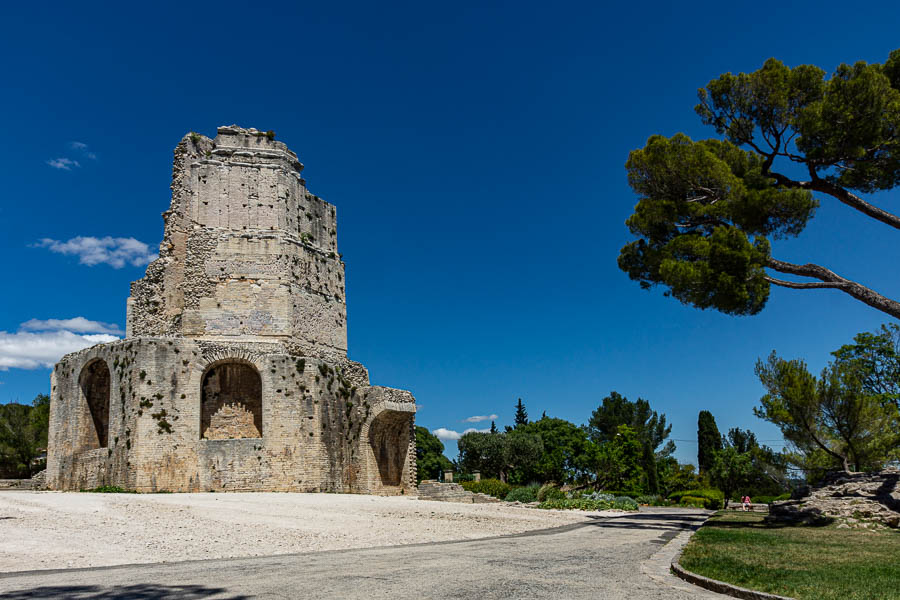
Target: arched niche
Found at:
94, 382
231, 401
389, 439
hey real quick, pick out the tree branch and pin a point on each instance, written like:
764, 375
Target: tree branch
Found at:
854, 201
804, 286
841, 194
832, 280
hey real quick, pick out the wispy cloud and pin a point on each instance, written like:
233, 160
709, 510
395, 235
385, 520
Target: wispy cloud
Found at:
76, 324
83, 148
42, 343
445, 434
480, 418
64, 164
115, 252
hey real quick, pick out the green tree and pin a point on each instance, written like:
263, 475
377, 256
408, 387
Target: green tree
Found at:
484, 452
876, 358
499, 454
674, 476
832, 417
430, 459
567, 455
708, 209
709, 440
651, 429
768, 472
23, 435
493, 427
525, 453
730, 470
521, 414
619, 461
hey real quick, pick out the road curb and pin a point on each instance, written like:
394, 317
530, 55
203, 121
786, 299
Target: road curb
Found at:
714, 585
659, 566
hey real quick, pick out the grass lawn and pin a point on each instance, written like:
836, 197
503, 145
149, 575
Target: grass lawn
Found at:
802, 561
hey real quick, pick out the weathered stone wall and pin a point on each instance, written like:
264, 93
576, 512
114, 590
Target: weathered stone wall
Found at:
234, 372
317, 424
248, 252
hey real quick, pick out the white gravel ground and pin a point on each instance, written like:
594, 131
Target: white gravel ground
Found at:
53, 530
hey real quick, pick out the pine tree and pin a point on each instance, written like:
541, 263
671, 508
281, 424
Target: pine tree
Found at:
521, 414
493, 427
709, 440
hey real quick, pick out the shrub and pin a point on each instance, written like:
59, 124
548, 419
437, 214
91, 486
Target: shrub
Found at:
491, 487
713, 499
600, 496
621, 503
549, 491
693, 501
621, 493
624, 503
651, 500
523, 494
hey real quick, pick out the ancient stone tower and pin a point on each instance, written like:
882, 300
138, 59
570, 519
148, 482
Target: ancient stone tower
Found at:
233, 374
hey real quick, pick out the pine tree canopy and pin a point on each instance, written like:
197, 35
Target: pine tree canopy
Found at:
709, 209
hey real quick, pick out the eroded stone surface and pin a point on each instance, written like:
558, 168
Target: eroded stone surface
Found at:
857, 499
234, 372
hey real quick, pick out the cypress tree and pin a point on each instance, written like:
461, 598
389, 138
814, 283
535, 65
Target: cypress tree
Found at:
521, 414
709, 440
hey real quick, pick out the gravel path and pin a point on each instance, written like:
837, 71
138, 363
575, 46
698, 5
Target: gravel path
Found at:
609, 558
52, 530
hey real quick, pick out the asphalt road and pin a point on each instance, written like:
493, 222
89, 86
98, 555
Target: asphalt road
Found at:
601, 559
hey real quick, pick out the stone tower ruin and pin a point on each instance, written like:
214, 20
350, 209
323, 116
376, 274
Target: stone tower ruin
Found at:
233, 374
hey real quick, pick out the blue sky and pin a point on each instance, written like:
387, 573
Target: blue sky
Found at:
475, 154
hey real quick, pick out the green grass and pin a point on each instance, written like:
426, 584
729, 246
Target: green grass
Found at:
801, 561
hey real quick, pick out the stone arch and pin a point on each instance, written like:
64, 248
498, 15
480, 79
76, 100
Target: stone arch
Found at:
389, 434
94, 382
231, 400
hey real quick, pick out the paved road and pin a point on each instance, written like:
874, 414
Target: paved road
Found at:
601, 559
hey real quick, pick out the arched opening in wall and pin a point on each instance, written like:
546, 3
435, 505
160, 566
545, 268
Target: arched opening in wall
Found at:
94, 383
231, 402
389, 439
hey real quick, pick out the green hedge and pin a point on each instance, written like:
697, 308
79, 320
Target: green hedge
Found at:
693, 501
713, 499
621, 503
523, 494
491, 487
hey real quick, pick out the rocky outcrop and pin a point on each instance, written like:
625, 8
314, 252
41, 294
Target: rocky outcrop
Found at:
857, 499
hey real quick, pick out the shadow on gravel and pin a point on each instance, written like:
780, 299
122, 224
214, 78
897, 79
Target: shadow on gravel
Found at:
146, 591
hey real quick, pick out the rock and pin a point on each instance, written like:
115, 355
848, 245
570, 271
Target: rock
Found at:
848, 496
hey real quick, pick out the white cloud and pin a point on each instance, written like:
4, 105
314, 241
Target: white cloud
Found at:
480, 418
116, 252
31, 350
446, 434
76, 324
83, 148
65, 164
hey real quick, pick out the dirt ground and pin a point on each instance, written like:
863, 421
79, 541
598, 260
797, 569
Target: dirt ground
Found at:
53, 530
